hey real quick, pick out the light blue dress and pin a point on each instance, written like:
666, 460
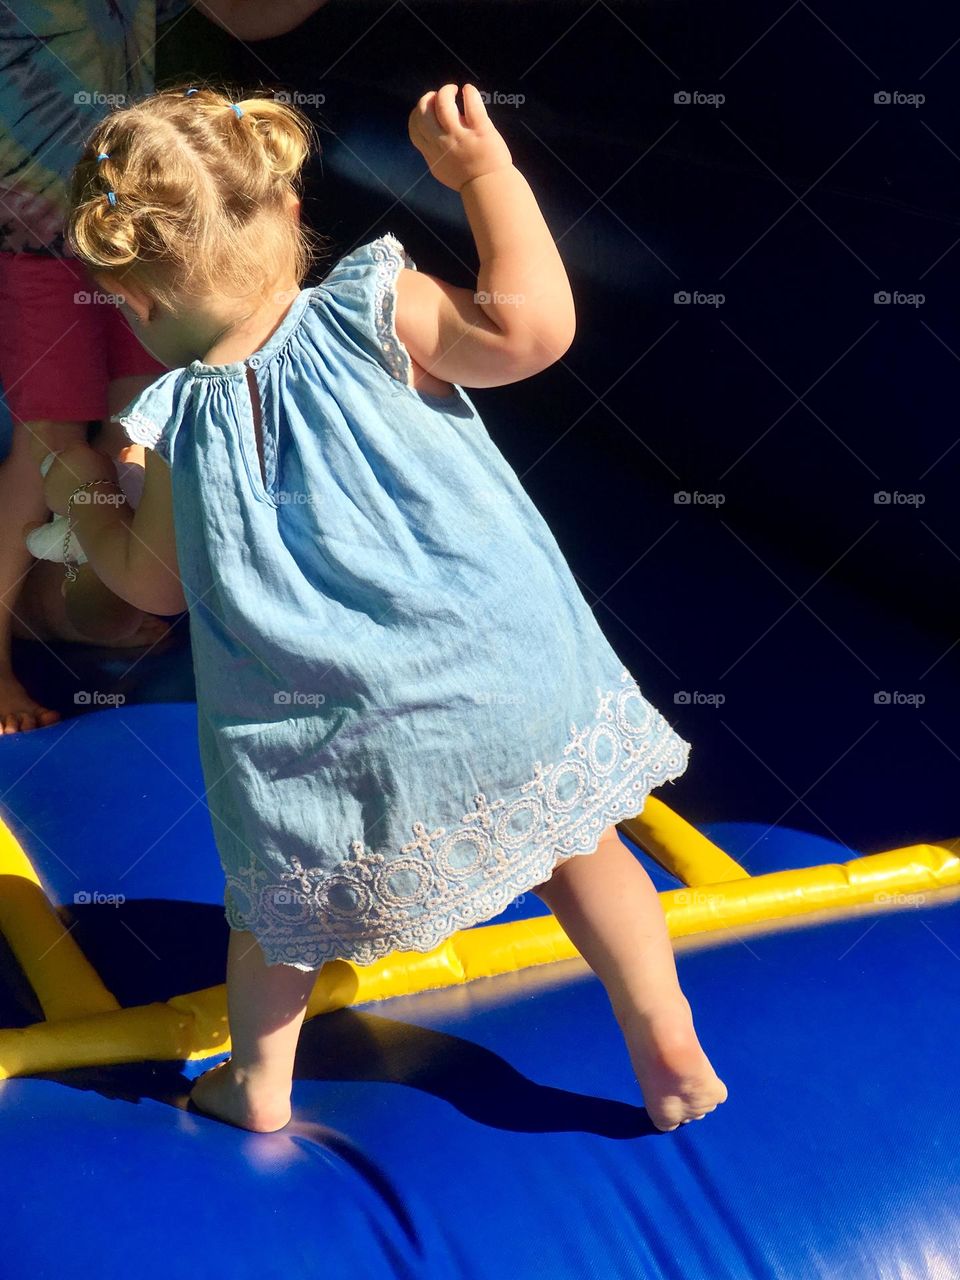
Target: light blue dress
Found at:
408, 714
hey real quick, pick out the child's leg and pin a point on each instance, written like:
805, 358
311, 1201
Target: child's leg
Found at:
266, 1005
608, 907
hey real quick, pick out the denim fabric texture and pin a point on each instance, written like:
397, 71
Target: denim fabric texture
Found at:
408, 714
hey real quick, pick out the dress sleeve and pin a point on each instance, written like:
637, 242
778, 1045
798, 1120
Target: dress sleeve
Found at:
153, 416
361, 297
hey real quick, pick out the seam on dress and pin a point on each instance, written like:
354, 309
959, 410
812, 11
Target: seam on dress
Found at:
359, 912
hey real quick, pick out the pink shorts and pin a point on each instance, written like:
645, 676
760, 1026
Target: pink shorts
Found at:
61, 341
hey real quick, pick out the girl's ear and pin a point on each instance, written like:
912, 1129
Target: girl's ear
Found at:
128, 291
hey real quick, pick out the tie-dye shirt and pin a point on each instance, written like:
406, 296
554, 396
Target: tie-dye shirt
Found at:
63, 66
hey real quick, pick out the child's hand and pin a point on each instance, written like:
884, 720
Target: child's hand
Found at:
457, 148
71, 467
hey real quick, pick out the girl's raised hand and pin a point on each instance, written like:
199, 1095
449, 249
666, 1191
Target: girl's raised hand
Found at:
456, 147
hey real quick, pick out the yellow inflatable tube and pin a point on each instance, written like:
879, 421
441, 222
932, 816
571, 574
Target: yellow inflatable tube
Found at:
194, 1026
64, 981
679, 847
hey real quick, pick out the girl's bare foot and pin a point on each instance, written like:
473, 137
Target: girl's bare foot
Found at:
241, 1098
18, 711
674, 1073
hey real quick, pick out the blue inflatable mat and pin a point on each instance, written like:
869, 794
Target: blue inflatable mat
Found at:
494, 1130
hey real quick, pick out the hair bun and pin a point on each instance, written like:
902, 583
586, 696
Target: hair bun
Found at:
282, 133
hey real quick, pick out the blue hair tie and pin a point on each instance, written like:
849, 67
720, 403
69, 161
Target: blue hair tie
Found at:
103, 155
190, 92
238, 110
112, 198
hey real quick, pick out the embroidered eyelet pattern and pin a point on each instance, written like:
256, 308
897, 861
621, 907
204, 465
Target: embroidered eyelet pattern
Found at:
390, 255
140, 429
442, 881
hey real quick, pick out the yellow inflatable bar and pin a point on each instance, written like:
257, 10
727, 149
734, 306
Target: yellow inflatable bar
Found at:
65, 983
679, 847
194, 1026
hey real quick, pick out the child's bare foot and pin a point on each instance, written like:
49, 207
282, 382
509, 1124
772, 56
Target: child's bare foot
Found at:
240, 1098
674, 1073
18, 711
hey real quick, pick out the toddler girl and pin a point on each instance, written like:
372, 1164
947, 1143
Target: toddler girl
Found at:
408, 714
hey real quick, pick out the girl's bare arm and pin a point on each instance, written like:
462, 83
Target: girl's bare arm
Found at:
132, 552
520, 318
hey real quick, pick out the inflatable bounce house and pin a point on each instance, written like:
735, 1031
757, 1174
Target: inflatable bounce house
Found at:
725, 456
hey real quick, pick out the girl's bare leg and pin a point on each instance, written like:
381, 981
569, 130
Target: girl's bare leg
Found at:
266, 1005
609, 909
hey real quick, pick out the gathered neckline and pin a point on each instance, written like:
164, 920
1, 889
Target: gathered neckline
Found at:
281, 335
283, 331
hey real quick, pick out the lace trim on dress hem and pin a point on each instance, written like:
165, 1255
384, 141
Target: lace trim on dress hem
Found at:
373, 904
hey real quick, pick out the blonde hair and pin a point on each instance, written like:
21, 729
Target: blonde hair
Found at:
201, 194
